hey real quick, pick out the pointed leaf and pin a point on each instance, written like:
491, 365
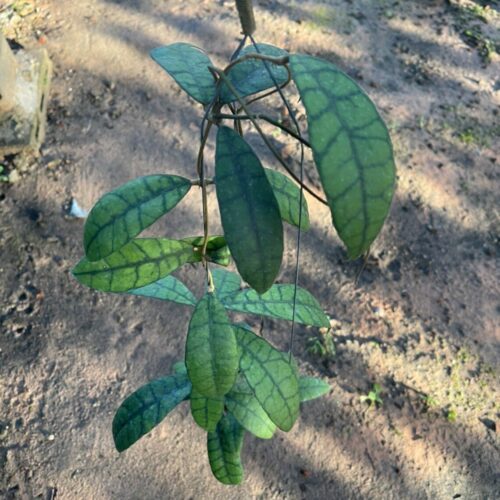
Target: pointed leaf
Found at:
273, 380
206, 411
188, 66
247, 410
312, 388
139, 263
252, 76
225, 282
288, 197
277, 302
168, 288
224, 449
352, 150
119, 216
211, 349
147, 407
249, 211
217, 249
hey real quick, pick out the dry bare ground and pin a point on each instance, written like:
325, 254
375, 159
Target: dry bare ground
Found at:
422, 322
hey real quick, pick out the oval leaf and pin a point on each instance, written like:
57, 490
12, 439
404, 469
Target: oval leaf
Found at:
168, 288
249, 211
188, 66
288, 197
277, 302
352, 150
206, 411
119, 216
247, 410
139, 263
312, 388
211, 349
225, 282
252, 76
273, 380
224, 449
147, 407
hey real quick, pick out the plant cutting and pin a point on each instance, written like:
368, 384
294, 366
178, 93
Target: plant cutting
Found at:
234, 380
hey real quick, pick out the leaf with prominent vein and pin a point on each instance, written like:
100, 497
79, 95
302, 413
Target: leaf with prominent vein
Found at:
277, 302
252, 76
249, 211
288, 197
206, 412
312, 388
352, 150
168, 288
119, 216
224, 449
137, 264
272, 378
147, 407
211, 349
247, 410
188, 66
217, 249
225, 282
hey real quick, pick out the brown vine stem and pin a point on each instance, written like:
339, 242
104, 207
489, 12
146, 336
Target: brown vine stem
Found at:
225, 79
247, 18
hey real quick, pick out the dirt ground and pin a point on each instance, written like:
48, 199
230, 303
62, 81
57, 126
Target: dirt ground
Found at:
423, 320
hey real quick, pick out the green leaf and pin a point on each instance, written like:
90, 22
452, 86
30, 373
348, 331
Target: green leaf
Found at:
188, 66
139, 263
206, 411
211, 349
312, 388
277, 302
225, 282
119, 216
168, 288
287, 195
217, 249
272, 378
249, 211
224, 449
252, 76
179, 367
247, 410
352, 150
147, 407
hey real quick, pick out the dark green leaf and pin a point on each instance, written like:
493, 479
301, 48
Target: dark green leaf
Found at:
211, 349
247, 410
137, 264
217, 249
224, 449
147, 407
312, 388
168, 288
352, 150
119, 216
206, 411
188, 66
288, 197
273, 380
277, 302
225, 282
252, 76
249, 211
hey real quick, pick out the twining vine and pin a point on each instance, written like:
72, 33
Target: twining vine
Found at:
237, 382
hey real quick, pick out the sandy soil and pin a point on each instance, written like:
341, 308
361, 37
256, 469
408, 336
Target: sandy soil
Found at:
422, 322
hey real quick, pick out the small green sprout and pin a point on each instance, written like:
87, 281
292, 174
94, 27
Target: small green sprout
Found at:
373, 397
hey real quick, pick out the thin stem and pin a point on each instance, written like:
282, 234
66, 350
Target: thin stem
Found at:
223, 77
208, 181
268, 119
247, 18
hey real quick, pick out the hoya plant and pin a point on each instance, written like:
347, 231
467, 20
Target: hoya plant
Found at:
234, 380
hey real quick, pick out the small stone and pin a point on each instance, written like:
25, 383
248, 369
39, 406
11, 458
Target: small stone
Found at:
51, 437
